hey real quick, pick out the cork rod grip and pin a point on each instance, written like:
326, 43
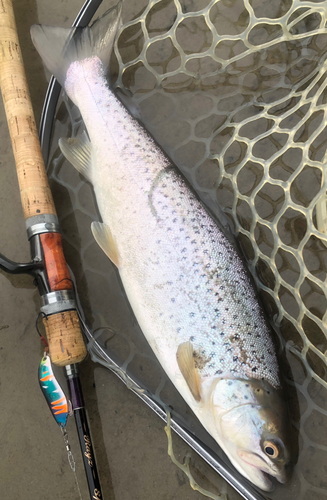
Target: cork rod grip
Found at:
66, 344
35, 192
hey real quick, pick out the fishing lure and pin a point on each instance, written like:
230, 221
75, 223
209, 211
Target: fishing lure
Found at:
52, 392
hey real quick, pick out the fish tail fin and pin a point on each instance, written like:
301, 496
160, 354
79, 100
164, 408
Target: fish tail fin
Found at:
60, 47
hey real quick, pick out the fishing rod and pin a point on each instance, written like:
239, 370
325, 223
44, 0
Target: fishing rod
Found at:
48, 266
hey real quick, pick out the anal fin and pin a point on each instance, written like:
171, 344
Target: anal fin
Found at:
186, 365
105, 240
78, 151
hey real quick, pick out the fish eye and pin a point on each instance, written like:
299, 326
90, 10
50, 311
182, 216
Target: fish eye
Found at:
271, 449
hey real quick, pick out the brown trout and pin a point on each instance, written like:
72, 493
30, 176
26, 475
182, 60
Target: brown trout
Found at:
187, 286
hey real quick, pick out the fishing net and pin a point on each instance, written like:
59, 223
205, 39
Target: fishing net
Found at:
235, 92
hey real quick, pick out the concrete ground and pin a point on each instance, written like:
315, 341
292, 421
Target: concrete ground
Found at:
129, 439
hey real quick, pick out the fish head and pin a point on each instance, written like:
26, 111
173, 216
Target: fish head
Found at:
250, 421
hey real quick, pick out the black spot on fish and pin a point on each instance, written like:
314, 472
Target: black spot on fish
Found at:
192, 338
218, 372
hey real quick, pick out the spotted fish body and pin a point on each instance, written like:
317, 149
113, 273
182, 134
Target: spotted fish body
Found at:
183, 278
53, 393
185, 282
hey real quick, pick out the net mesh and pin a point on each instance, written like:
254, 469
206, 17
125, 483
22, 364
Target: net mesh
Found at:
235, 92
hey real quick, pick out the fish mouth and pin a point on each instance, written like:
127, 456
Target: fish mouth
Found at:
262, 471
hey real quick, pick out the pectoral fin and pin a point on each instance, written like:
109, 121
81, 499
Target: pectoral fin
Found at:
105, 240
78, 152
186, 365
